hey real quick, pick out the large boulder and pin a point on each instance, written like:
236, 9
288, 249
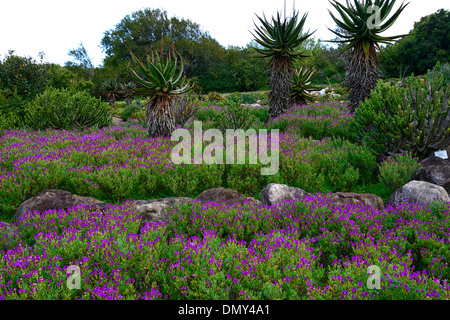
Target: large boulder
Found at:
342, 198
434, 170
54, 199
418, 191
222, 195
275, 193
157, 210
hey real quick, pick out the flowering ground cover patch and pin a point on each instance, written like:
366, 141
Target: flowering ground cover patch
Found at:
294, 250
306, 249
317, 120
118, 163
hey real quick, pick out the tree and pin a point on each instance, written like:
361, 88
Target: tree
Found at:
161, 82
426, 44
279, 38
80, 55
363, 23
142, 29
22, 75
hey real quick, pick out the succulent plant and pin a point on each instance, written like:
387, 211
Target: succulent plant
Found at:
399, 119
127, 89
160, 81
302, 87
111, 90
362, 23
279, 39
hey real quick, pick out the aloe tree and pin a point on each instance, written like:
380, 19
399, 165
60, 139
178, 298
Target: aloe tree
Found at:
362, 23
111, 90
160, 81
127, 89
302, 87
278, 40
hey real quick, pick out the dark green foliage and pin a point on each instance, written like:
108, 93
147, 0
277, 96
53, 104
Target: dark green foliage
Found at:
130, 109
425, 45
396, 120
23, 76
62, 109
443, 70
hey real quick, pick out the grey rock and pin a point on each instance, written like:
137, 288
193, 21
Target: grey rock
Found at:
53, 199
157, 210
8, 235
221, 195
434, 170
418, 192
342, 198
274, 193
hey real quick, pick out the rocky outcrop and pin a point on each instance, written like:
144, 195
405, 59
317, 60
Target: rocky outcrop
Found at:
53, 199
418, 191
221, 195
434, 170
342, 198
157, 210
274, 193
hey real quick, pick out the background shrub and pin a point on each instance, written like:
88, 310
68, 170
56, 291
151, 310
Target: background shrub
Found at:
399, 119
397, 170
63, 109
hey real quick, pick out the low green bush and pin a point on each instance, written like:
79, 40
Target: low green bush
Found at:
399, 119
397, 170
63, 109
130, 109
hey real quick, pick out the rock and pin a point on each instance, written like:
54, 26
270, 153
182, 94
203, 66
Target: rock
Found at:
54, 199
342, 198
8, 235
171, 202
418, 191
323, 91
434, 170
275, 193
156, 210
221, 195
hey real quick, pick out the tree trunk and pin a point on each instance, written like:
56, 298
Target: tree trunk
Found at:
362, 75
280, 86
160, 119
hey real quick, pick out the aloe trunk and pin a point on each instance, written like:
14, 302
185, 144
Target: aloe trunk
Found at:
280, 85
160, 117
362, 74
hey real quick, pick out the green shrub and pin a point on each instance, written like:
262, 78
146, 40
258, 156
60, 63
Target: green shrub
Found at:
214, 97
444, 70
22, 75
397, 170
62, 109
235, 116
130, 109
396, 120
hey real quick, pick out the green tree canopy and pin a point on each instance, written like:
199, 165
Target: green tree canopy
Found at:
426, 44
142, 29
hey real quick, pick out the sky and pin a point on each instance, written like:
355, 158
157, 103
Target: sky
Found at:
57, 26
